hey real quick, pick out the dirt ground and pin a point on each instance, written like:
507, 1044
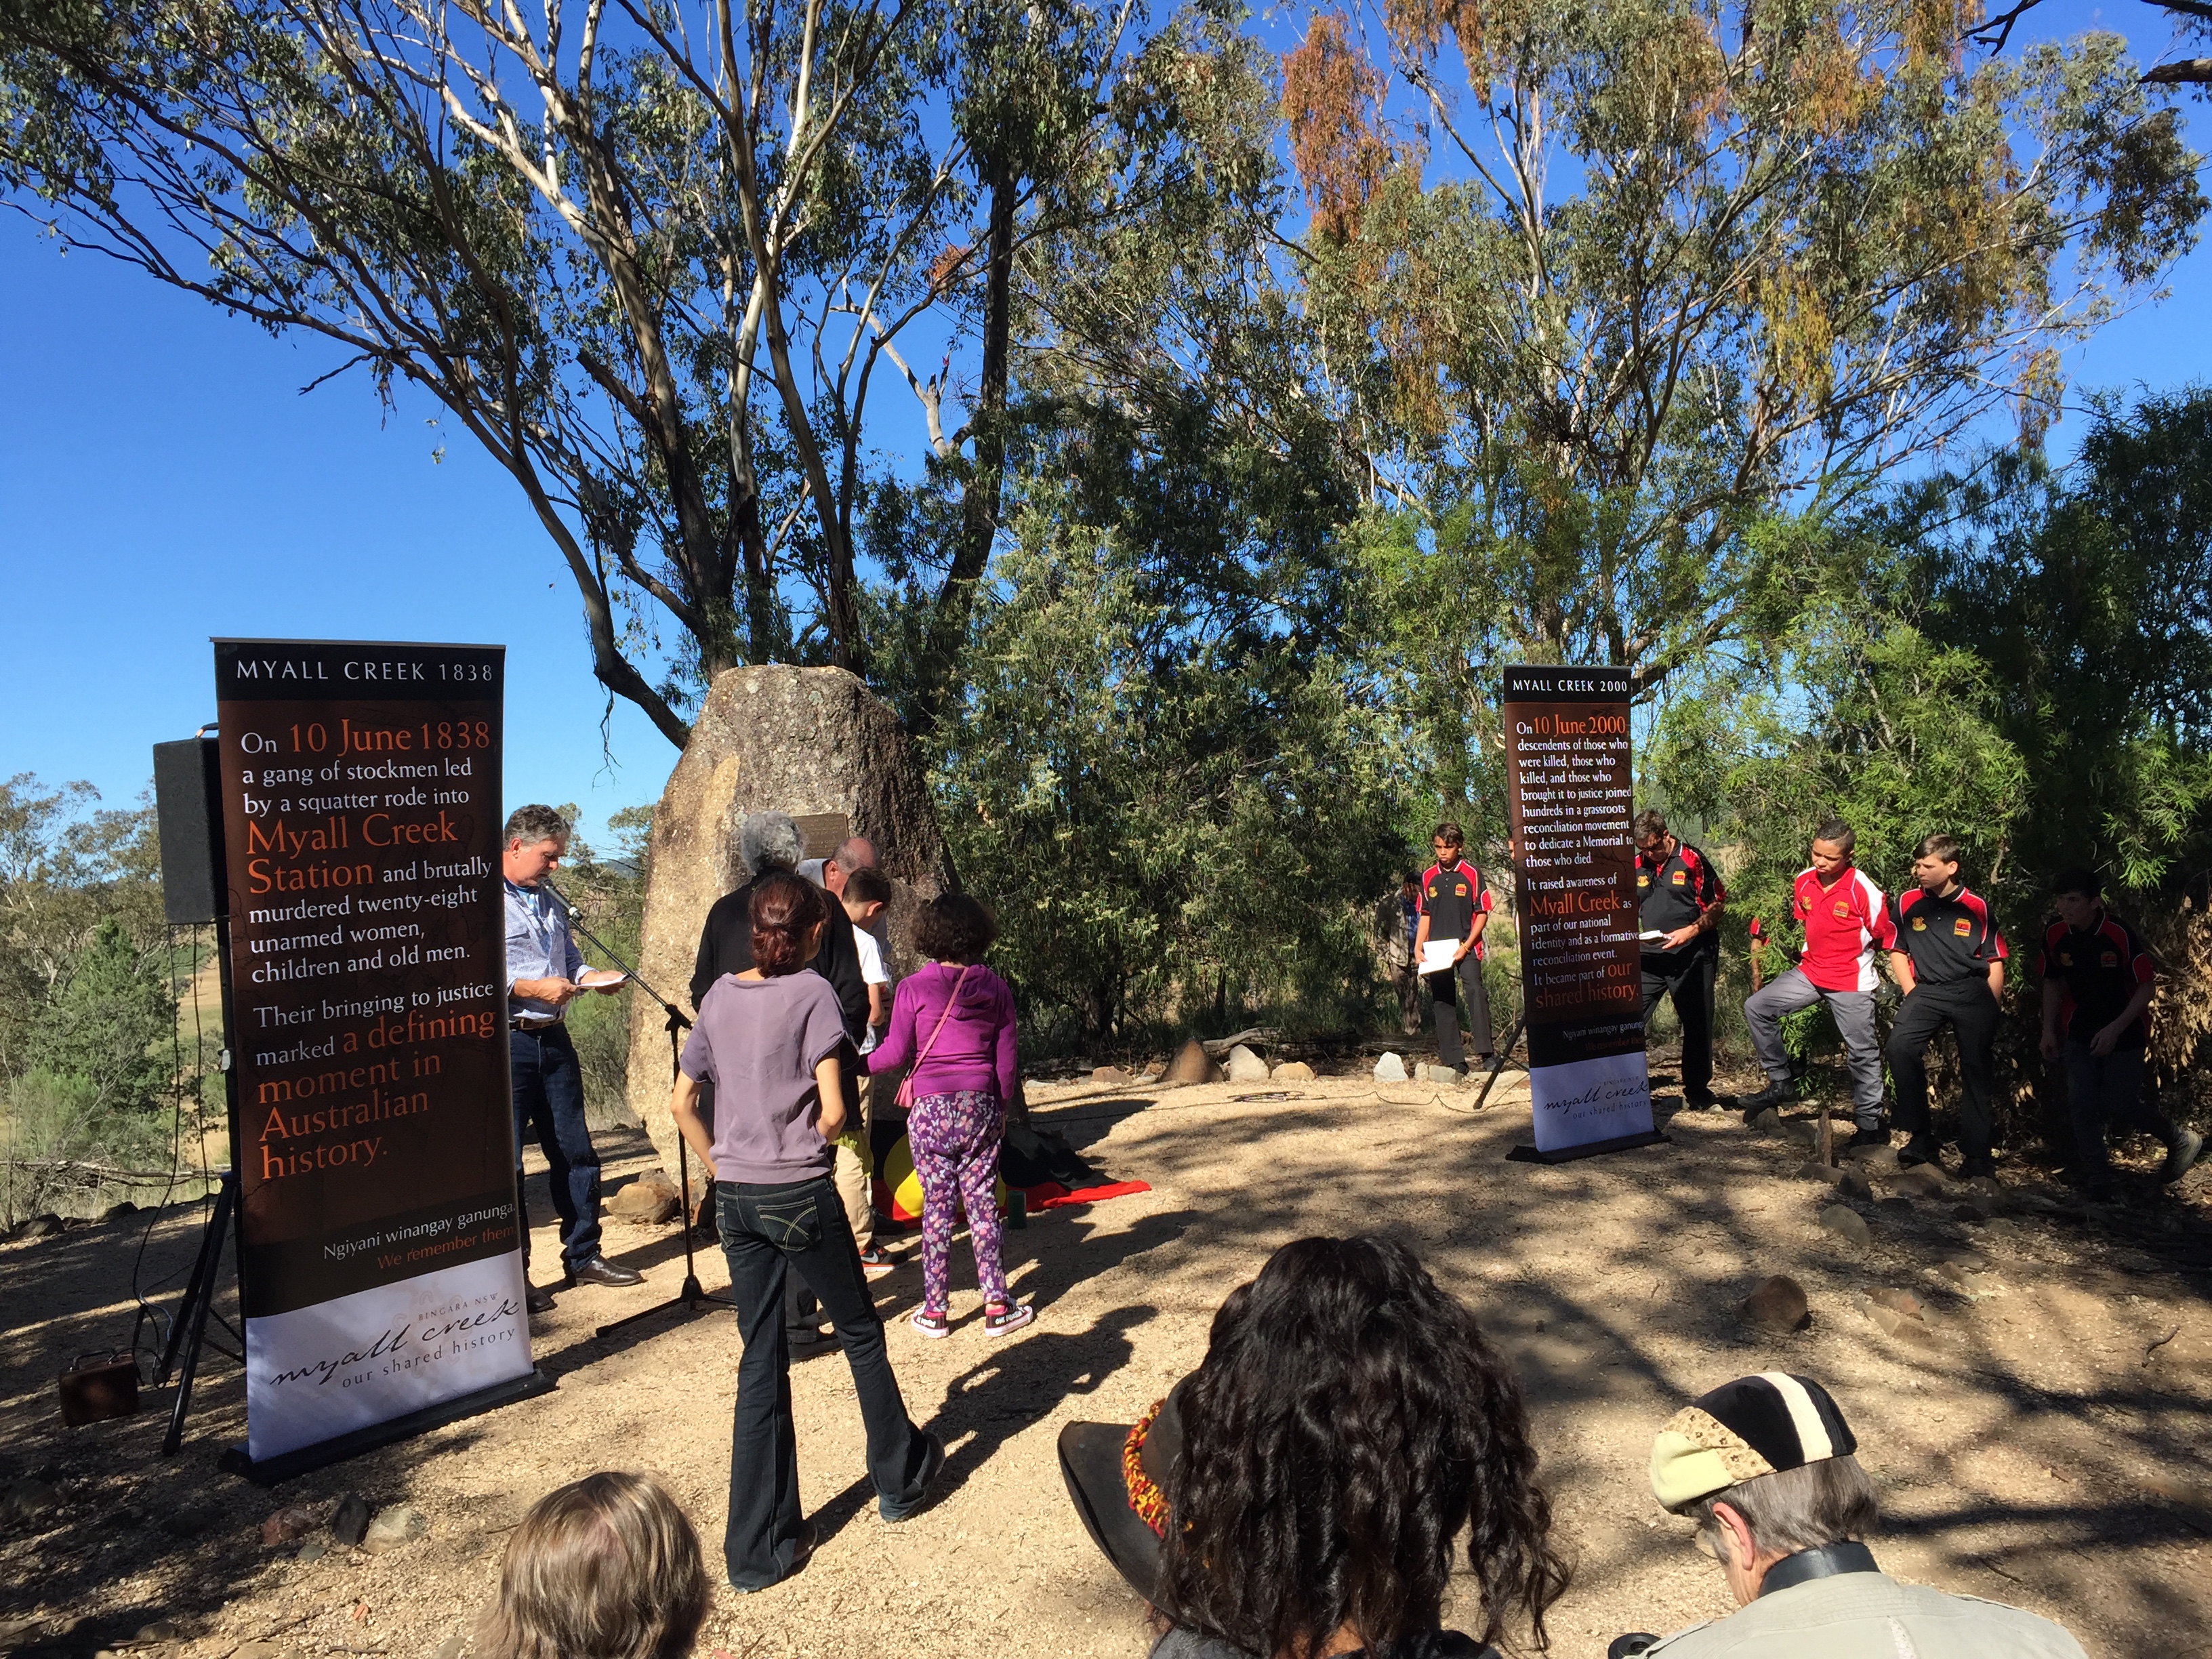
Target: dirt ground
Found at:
2043, 1441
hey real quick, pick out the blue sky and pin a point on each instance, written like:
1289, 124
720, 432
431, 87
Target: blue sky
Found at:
161, 481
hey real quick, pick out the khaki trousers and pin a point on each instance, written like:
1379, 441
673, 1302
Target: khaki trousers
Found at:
851, 1175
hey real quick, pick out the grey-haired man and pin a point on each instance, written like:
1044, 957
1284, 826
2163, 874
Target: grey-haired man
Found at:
1768, 1469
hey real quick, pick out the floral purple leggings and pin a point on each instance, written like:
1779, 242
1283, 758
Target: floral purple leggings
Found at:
955, 1142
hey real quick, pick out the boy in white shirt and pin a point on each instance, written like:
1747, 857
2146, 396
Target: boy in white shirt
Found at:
865, 892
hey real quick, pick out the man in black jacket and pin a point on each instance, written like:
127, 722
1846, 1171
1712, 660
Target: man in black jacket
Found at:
769, 842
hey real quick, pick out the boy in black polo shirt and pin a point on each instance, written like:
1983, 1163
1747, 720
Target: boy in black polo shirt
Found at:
1455, 905
1949, 959
1678, 894
2097, 978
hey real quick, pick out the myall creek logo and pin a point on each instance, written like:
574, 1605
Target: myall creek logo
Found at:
403, 1348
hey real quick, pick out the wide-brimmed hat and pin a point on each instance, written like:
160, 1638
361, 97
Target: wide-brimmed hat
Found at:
1117, 1474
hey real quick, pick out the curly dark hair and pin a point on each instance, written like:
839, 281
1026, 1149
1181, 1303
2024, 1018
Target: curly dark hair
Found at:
1349, 1421
782, 908
954, 928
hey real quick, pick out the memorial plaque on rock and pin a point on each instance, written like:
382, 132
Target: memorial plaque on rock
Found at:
821, 834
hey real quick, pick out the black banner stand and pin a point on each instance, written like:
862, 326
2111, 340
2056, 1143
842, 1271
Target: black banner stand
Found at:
271, 1470
1588, 1149
203, 858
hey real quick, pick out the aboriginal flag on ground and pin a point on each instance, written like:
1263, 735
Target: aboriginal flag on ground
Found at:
1038, 1165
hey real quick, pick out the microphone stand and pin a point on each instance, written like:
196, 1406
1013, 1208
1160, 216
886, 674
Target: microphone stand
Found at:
693, 1296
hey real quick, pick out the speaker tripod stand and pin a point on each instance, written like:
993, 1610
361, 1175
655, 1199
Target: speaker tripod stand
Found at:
187, 1332
692, 1296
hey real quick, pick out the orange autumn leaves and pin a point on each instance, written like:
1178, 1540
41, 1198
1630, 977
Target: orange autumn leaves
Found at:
1332, 99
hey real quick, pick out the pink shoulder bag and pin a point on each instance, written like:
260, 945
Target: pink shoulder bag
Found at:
905, 1099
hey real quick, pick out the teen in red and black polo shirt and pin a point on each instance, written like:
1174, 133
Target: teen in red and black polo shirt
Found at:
1949, 959
1678, 894
1845, 918
2097, 978
1456, 905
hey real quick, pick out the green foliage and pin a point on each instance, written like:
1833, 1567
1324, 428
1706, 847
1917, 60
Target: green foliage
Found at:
1697, 264
609, 894
1865, 718
109, 1024
2090, 596
58, 1124
1178, 823
87, 1008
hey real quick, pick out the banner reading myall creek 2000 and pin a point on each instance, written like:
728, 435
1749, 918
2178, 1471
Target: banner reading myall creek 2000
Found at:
380, 1261
1569, 784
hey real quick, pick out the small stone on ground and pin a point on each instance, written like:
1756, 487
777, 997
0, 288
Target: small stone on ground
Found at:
1245, 1066
350, 1519
394, 1525
1847, 1224
1777, 1302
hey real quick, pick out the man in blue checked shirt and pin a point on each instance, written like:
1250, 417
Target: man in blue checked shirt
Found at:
545, 972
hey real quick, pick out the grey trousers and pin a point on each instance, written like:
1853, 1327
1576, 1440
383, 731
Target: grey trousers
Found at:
1853, 1013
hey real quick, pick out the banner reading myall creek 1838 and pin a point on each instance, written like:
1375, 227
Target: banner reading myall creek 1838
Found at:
1569, 789
379, 1255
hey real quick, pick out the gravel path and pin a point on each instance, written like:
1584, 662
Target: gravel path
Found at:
2031, 1445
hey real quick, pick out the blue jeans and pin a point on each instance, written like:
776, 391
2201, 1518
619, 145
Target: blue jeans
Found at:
768, 1231
548, 1098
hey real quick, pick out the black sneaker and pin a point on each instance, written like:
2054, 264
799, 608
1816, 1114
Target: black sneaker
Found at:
1916, 1150
1774, 1094
1706, 1103
1866, 1138
932, 1463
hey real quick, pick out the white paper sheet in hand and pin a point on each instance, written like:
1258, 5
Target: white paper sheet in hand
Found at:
1436, 955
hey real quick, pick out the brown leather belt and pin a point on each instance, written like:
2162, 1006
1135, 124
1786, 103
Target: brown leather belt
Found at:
533, 1022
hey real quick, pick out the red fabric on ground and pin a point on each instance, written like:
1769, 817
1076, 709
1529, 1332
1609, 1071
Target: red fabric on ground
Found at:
1051, 1196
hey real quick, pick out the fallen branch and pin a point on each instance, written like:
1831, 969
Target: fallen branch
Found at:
1220, 1046
108, 1172
2159, 1343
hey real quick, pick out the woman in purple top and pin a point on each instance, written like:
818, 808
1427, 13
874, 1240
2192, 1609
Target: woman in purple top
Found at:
769, 1040
954, 1023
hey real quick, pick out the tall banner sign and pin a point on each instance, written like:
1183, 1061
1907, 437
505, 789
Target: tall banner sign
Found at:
1569, 790
379, 1248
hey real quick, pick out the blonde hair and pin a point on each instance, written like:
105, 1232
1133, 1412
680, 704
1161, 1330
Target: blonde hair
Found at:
607, 1567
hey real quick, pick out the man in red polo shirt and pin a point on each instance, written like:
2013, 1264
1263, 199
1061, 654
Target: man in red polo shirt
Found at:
1845, 920
2098, 981
1949, 959
1456, 905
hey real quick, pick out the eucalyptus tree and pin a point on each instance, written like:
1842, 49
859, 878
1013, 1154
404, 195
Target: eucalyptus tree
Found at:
1690, 265
663, 260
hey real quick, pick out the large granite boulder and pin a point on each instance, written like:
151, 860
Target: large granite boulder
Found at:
811, 742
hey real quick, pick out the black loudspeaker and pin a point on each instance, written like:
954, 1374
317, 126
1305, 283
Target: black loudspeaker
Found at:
188, 806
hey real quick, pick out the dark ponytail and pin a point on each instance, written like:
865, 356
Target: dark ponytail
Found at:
783, 908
